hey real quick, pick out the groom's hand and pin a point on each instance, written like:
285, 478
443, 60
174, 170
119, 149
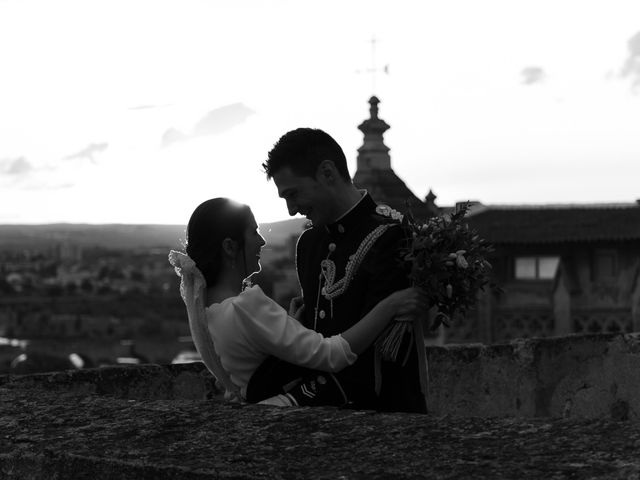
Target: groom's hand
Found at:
411, 304
296, 307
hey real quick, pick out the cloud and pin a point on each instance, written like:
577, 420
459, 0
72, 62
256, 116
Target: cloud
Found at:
89, 151
222, 119
172, 136
15, 166
215, 122
20, 174
148, 107
49, 185
532, 75
631, 67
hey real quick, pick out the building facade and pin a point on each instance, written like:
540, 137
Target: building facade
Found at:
562, 269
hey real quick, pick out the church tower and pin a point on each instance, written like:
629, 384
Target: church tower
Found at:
374, 172
373, 154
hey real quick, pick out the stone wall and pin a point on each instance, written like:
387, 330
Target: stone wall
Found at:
190, 381
586, 376
553, 408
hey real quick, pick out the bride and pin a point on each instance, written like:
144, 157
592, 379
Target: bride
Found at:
236, 329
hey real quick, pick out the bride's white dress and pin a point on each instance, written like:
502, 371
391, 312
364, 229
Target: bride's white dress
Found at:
248, 328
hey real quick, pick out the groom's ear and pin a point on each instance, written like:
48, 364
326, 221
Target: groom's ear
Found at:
327, 173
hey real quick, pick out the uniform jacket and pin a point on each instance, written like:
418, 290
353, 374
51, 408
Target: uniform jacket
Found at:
379, 274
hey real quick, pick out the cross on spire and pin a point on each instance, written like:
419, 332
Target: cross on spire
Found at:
373, 70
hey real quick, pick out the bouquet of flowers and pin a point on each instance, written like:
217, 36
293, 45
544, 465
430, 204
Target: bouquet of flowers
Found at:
448, 259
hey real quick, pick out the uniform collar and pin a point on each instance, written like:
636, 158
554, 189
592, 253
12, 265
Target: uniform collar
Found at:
353, 216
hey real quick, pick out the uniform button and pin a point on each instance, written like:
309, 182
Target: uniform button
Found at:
332, 247
322, 314
340, 228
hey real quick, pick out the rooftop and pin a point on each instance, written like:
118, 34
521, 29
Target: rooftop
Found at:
530, 224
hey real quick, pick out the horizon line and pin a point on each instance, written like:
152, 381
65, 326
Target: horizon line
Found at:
94, 224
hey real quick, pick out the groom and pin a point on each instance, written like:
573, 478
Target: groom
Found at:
310, 171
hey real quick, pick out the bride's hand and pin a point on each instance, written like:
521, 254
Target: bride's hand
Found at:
296, 307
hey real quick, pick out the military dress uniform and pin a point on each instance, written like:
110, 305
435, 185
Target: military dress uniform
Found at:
344, 270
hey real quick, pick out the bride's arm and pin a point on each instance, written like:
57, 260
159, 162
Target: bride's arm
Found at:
405, 304
269, 328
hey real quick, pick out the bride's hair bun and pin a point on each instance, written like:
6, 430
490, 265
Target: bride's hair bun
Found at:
210, 223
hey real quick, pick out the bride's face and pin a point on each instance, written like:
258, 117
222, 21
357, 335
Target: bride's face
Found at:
253, 243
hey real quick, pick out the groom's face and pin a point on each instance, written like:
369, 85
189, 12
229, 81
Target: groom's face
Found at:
305, 195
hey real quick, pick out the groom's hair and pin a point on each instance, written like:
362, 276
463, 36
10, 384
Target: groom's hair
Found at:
210, 223
302, 150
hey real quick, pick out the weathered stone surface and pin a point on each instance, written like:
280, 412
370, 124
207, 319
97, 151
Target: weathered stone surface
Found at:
48, 434
557, 408
583, 376
185, 381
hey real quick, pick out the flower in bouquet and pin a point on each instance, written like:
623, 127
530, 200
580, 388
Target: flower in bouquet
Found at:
446, 258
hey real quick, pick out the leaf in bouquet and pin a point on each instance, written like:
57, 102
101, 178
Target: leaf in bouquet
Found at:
440, 319
420, 243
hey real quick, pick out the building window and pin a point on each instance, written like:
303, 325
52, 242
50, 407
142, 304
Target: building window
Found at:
536, 268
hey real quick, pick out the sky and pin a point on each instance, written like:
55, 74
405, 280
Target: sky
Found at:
132, 111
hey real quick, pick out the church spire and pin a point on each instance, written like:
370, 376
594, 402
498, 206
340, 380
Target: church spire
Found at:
373, 154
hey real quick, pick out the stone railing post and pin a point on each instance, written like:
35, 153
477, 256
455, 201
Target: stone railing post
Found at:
635, 300
484, 312
561, 305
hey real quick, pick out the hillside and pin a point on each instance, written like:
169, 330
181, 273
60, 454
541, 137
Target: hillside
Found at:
120, 236
276, 233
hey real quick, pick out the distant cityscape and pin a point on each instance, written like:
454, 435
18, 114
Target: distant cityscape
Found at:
103, 305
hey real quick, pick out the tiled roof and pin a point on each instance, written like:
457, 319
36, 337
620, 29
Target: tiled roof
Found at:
387, 188
556, 224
